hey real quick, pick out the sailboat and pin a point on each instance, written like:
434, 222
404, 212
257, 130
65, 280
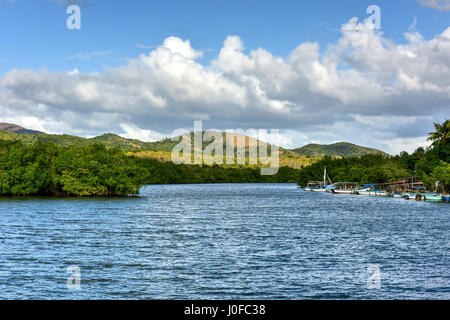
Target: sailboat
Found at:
319, 186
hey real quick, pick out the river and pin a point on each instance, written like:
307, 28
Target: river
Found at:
224, 241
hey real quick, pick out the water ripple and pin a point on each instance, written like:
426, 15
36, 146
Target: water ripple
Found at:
224, 241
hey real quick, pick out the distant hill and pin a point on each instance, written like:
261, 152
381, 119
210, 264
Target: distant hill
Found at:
8, 127
116, 141
109, 140
161, 150
340, 149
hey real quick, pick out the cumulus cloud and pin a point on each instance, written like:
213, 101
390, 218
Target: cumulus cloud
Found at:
441, 5
364, 88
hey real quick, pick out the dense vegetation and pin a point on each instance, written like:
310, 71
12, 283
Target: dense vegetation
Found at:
48, 169
94, 170
429, 165
339, 149
285, 160
169, 173
109, 140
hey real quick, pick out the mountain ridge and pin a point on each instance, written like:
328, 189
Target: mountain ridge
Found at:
313, 150
338, 149
9, 127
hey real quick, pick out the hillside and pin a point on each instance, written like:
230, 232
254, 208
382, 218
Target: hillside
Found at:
8, 127
340, 149
161, 150
109, 140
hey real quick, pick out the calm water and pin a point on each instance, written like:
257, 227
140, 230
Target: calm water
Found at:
225, 241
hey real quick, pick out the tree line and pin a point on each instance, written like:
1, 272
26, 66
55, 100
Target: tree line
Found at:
45, 168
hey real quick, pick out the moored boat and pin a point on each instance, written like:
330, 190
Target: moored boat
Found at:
367, 190
381, 193
343, 188
434, 197
315, 186
319, 186
415, 193
370, 193
343, 191
410, 196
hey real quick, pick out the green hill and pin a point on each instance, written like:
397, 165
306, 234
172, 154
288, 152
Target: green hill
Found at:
114, 141
109, 140
340, 149
161, 150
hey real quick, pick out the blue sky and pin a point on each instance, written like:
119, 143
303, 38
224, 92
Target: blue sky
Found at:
33, 32
316, 70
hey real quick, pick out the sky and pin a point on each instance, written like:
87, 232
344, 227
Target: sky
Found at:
319, 71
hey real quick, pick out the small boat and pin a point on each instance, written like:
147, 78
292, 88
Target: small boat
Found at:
417, 193
343, 191
397, 195
434, 197
367, 190
370, 193
343, 188
315, 186
319, 186
410, 196
446, 198
382, 193
320, 189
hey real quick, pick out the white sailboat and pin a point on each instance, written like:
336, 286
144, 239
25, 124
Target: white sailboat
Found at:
319, 186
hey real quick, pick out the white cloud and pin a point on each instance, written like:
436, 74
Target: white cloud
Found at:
133, 132
364, 89
144, 46
87, 56
74, 72
441, 5
397, 145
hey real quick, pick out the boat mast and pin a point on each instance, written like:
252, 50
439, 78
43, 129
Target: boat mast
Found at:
325, 176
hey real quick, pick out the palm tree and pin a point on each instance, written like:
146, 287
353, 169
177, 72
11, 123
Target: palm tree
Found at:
442, 133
